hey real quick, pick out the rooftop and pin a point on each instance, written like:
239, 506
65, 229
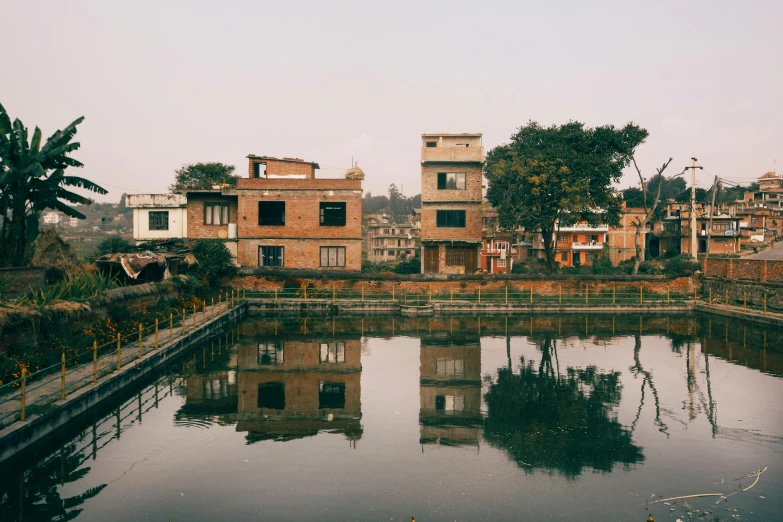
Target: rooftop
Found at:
286, 160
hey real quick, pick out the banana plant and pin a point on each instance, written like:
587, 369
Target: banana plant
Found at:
33, 179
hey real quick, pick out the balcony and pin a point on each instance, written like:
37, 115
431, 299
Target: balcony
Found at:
592, 245
585, 228
452, 154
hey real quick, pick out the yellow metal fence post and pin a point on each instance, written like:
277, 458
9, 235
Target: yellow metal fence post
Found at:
62, 378
362, 294
727, 298
275, 295
430, 296
531, 294
334, 292
641, 294
194, 316
119, 353
710, 301
392, 293
765, 305
141, 330
184, 321
94, 361
668, 295
745, 301
561, 293
614, 294
171, 324
506, 294
451, 295
479, 296
587, 294
156, 333
24, 392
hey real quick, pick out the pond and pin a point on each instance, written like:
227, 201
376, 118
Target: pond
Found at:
465, 418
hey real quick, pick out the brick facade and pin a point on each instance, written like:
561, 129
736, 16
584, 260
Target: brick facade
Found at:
302, 253
748, 269
197, 227
280, 167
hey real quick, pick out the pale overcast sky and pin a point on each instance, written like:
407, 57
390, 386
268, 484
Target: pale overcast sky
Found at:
165, 83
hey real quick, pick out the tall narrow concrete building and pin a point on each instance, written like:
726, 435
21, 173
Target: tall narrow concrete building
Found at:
451, 196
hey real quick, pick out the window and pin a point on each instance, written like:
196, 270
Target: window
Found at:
564, 257
451, 181
259, 170
271, 395
562, 239
446, 366
215, 213
331, 395
271, 213
159, 220
432, 144
455, 256
270, 256
501, 263
332, 256
462, 145
332, 214
450, 218
387, 231
450, 403
270, 353
332, 353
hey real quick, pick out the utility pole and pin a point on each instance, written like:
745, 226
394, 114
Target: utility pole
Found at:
694, 247
712, 211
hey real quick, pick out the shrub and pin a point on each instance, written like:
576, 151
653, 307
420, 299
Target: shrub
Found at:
214, 260
411, 266
648, 268
368, 267
681, 265
75, 287
113, 245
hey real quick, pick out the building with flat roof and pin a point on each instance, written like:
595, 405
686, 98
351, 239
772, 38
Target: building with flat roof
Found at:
451, 202
158, 216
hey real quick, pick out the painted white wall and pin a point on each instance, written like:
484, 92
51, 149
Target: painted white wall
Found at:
178, 224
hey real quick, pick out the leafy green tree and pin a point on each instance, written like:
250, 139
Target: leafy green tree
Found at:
214, 260
32, 179
548, 177
203, 176
113, 245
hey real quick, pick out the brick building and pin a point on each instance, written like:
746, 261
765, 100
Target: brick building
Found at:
451, 202
287, 217
450, 391
672, 235
158, 216
297, 388
622, 238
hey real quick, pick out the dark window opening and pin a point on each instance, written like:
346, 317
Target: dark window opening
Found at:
331, 395
432, 144
440, 403
450, 218
455, 256
270, 256
271, 213
332, 214
451, 181
159, 220
259, 170
271, 395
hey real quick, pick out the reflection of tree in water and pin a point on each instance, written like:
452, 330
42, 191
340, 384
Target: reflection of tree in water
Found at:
558, 422
34, 495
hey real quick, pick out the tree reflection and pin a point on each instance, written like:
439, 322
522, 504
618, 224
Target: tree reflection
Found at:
34, 494
558, 422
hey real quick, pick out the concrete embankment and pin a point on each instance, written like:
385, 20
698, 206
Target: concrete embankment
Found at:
21, 434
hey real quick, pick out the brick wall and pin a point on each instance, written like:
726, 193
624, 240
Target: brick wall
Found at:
302, 253
473, 221
196, 226
429, 183
279, 167
744, 269
302, 214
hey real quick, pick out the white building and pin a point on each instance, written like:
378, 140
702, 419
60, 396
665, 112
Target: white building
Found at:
158, 216
52, 218
73, 222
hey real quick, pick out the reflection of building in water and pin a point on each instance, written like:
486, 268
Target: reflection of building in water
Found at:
298, 388
450, 391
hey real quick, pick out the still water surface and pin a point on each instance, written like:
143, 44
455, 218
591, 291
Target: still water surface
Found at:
519, 418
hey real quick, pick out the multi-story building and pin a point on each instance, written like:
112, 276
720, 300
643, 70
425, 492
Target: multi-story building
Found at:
158, 216
286, 217
299, 387
451, 199
575, 245
497, 252
51, 218
415, 218
390, 241
622, 238
672, 235
450, 391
